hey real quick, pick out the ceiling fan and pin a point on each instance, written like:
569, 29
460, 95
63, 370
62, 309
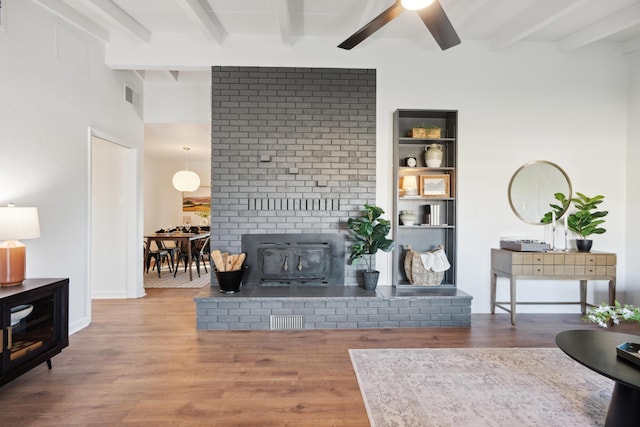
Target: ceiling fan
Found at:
430, 12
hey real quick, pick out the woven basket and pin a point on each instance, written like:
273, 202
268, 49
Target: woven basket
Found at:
426, 133
417, 274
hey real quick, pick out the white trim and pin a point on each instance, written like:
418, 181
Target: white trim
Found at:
135, 284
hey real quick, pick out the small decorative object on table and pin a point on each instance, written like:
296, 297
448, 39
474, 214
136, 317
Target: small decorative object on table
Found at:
629, 351
605, 315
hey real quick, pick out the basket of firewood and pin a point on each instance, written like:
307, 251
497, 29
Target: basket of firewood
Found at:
229, 270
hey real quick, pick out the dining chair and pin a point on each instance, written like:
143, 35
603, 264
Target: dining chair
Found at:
172, 247
199, 249
159, 254
205, 253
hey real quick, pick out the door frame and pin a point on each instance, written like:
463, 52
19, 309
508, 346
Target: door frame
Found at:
133, 213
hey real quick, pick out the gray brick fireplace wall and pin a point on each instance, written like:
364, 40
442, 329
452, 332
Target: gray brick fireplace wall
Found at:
293, 151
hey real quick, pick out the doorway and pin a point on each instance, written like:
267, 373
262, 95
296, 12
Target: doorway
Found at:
114, 255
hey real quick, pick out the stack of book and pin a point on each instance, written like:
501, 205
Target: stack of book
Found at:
432, 214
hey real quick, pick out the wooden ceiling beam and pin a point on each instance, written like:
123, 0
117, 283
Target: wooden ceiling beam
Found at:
114, 14
283, 14
75, 18
597, 31
534, 18
205, 19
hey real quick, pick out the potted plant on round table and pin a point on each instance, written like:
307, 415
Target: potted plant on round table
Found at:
370, 233
586, 220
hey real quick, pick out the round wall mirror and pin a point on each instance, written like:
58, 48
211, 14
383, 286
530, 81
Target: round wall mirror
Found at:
532, 190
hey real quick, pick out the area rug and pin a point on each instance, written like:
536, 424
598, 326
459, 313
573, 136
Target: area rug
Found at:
166, 279
479, 387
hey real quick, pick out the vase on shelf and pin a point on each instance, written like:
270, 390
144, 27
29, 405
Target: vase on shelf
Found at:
408, 218
433, 155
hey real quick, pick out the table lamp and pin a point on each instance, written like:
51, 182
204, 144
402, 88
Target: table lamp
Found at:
410, 185
15, 223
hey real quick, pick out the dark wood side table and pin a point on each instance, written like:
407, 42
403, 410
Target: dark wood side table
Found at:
596, 349
41, 334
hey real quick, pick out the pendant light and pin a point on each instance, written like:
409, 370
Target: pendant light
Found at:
186, 180
415, 4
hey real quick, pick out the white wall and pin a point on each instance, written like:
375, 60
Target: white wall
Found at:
632, 226
54, 86
514, 106
525, 103
162, 202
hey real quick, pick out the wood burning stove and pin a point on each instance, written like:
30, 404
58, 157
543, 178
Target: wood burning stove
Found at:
294, 259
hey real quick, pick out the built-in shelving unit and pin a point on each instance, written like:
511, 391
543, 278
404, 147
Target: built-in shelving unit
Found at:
426, 233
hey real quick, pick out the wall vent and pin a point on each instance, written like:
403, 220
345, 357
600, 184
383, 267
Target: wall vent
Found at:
131, 96
286, 321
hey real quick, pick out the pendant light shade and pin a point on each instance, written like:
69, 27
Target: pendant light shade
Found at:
415, 4
186, 180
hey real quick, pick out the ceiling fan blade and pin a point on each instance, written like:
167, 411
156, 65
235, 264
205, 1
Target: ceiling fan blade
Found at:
438, 23
373, 26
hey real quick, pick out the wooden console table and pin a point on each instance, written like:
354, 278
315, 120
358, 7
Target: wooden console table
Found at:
571, 265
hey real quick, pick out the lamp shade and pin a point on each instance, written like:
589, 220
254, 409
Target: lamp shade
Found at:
17, 223
415, 4
186, 181
410, 185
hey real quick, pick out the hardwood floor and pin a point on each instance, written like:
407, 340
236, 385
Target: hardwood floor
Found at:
142, 363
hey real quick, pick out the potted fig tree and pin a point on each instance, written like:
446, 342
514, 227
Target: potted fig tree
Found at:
370, 233
586, 220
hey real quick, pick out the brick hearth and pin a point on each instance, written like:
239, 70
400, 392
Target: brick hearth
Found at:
332, 307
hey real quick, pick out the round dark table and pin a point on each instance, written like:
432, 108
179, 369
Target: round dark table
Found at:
596, 349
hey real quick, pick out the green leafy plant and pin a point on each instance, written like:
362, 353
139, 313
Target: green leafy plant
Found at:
370, 233
558, 209
605, 315
586, 220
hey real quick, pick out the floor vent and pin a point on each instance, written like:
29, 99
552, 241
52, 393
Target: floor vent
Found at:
286, 321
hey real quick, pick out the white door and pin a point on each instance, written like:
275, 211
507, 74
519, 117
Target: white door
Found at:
112, 186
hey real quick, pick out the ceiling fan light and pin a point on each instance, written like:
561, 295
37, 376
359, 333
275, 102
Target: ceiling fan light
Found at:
415, 4
186, 181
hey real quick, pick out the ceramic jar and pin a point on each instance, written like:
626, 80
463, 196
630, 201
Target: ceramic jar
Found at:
408, 218
433, 155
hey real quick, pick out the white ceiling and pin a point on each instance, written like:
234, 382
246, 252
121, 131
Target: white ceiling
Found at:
159, 24
570, 23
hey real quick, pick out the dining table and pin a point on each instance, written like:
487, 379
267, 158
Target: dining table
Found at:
180, 238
